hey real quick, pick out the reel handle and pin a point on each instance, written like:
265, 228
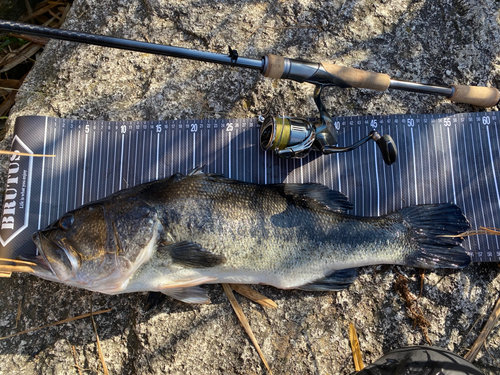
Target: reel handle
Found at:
387, 148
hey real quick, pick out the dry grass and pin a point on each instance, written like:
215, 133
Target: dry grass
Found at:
244, 322
356, 350
56, 323
17, 48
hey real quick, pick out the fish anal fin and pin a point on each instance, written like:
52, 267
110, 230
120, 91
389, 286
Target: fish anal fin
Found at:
336, 281
191, 255
193, 294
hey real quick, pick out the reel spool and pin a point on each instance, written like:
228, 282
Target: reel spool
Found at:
294, 137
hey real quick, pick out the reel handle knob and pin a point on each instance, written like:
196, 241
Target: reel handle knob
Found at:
387, 148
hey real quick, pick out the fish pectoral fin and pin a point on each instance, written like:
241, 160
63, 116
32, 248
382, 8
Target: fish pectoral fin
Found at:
336, 281
191, 255
194, 294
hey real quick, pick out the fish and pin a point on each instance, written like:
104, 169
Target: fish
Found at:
175, 234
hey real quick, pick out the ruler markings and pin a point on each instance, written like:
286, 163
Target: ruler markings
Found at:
69, 172
414, 165
165, 153
91, 165
157, 164
447, 171
136, 154
121, 161
99, 169
495, 182
78, 170
61, 152
172, 152
468, 163
479, 187
351, 194
488, 193
451, 166
377, 179
420, 152
438, 163
43, 174
129, 157
84, 167
112, 135
493, 165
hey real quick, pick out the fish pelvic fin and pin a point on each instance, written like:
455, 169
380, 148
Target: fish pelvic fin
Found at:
431, 227
336, 281
194, 294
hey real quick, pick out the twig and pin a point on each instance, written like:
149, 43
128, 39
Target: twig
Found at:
356, 351
255, 296
244, 322
56, 323
481, 339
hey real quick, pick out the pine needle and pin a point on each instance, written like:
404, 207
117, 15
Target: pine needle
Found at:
99, 349
6, 269
244, 322
16, 261
76, 362
481, 340
5, 152
475, 232
19, 266
356, 351
253, 295
56, 323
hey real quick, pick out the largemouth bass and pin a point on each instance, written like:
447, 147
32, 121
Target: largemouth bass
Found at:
174, 234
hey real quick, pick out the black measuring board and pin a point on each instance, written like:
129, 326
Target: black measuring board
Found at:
441, 158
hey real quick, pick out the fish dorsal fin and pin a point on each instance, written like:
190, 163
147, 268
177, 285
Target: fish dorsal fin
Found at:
191, 255
196, 170
331, 199
336, 281
194, 294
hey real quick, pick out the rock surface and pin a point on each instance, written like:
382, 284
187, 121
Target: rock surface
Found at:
446, 42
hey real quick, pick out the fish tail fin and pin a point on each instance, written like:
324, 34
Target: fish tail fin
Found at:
433, 229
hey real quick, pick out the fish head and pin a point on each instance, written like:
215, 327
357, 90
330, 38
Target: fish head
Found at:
97, 246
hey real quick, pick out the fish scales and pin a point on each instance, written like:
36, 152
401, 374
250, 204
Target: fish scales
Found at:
174, 234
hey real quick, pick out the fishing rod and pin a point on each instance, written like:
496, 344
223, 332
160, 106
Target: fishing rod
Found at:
289, 137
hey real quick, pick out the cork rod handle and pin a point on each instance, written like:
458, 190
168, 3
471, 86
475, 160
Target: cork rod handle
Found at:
475, 95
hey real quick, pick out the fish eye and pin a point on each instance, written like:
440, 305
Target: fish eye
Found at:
65, 222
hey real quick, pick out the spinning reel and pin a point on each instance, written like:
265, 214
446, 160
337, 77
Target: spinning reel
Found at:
293, 137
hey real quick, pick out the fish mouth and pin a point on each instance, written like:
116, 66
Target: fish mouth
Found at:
43, 268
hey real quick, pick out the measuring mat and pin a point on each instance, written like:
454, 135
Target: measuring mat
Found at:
441, 158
